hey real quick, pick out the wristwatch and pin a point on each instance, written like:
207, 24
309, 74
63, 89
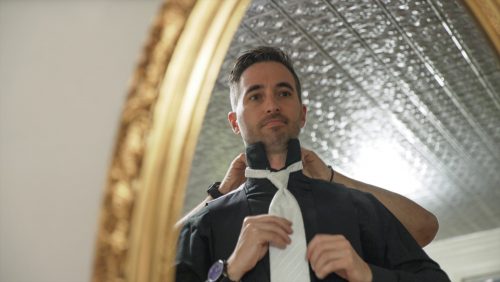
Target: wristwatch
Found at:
213, 190
218, 272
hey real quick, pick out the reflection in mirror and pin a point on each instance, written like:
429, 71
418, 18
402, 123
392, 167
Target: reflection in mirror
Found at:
392, 82
400, 94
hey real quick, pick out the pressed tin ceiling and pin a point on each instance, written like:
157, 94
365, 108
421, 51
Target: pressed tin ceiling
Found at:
401, 94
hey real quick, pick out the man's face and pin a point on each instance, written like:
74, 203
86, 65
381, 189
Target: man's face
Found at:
268, 108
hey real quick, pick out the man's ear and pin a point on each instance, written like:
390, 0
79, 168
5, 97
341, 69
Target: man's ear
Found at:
304, 116
231, 117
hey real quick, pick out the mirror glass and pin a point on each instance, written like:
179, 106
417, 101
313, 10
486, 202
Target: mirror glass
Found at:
400, 94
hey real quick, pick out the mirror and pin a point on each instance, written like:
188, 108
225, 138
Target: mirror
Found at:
401, 94
391, 80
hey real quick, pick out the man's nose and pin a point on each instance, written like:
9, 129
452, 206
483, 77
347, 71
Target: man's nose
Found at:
272, 105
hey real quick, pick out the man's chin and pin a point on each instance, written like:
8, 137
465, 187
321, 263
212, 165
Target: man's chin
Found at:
273, 139
276, 143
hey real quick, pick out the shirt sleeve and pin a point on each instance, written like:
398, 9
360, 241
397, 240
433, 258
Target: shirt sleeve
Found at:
192, 258
389, 249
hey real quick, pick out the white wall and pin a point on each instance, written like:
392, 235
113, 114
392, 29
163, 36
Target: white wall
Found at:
469, 255
64, 70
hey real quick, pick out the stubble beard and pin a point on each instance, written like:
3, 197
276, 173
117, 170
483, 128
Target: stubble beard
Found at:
276, 142
276, 139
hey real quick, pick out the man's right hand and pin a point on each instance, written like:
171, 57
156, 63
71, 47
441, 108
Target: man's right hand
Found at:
257, 234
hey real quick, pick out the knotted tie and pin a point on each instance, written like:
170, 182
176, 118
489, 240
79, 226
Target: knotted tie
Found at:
289, 264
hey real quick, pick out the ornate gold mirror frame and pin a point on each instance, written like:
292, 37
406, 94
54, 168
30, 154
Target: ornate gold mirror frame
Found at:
159, 128
487, 13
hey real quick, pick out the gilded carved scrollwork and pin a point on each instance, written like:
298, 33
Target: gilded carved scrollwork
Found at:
123, 181
155, 142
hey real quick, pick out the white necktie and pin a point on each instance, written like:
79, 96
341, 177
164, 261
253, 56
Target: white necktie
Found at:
289, 264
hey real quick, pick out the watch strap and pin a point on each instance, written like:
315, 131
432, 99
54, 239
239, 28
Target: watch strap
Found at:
225, 277
213, 190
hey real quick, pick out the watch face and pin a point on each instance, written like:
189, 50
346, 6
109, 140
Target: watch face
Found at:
215, 271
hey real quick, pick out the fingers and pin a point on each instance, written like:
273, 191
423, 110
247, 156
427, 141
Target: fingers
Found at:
272, 219
240, 161
235, 175
257, 234
314, 166
330, 266
334, 253
268, 229
271, 237
305, 151
306, 161
322, 243
331, 260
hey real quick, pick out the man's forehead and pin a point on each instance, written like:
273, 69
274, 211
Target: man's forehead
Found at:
266, 72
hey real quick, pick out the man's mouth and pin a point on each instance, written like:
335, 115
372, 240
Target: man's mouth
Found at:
275, 120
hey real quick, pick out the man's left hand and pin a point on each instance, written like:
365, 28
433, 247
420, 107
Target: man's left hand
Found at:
334, 254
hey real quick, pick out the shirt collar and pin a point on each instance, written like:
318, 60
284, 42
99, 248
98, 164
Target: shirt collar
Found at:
257, 158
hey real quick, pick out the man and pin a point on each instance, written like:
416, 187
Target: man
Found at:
349, 234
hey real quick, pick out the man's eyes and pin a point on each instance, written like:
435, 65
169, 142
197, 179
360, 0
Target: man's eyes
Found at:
254, 97
258, 96
285, 93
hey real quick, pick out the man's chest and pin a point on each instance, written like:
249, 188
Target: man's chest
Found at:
321, 215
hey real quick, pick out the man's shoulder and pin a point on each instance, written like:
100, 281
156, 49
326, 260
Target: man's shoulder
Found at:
224, 206
342, 193
228, 201
338, 189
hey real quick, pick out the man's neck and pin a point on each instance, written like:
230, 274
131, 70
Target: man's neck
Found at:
277, 161
260, 156
276, 154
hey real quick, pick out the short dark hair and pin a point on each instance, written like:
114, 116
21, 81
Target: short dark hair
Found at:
256, 55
